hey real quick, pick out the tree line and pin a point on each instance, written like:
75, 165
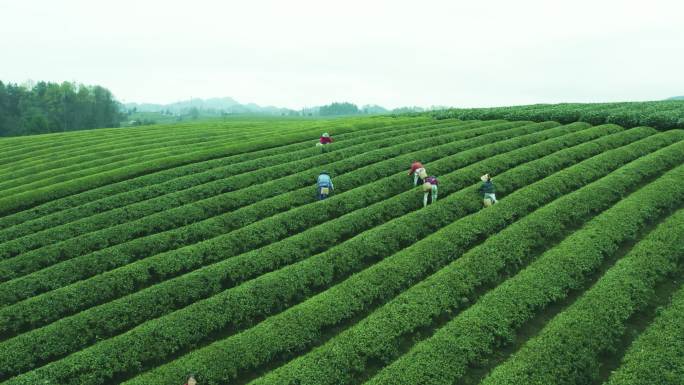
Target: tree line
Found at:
46, 107
336, 109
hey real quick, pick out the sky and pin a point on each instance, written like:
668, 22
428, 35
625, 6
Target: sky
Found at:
393, 53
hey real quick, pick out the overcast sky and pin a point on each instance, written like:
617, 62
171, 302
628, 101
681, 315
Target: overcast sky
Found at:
393, 53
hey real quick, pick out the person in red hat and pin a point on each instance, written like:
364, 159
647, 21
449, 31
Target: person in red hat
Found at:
418, 172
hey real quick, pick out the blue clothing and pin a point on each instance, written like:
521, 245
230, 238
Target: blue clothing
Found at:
325, 181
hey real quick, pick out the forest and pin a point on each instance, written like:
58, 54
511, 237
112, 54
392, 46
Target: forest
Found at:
46, 107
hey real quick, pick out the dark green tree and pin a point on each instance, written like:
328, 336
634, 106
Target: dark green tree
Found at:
339, 109
52, 107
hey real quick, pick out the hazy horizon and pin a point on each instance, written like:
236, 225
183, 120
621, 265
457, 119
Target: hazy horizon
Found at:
306, 53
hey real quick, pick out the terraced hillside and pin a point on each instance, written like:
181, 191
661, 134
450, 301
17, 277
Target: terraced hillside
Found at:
138, 256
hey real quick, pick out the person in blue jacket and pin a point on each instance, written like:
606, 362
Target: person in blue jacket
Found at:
325, 185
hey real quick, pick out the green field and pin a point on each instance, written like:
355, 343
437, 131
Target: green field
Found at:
140, 255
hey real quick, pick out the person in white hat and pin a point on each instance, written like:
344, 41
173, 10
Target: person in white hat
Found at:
191, 380
487, 190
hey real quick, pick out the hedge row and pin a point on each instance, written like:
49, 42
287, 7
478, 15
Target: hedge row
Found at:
14, 150
80, 167
164, 266
568, 349
172, 195
219, 170
86, 151
186, 290
154, 185
34, 150
95, 196
84, 145
12, 204
158, 300
73, 145
377, 338
197, 221
61, 162
494, 319
657, 355
271, 292
43, 142
663, 115
60, 141
109, 258
89, 154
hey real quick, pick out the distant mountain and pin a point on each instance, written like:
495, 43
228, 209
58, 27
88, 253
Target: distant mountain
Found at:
676, 98
213, 106
221, 106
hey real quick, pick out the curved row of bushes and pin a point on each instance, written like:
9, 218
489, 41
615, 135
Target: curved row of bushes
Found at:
168, 295
94, 197
224, 180
494, 319
81, 166
250, 212
657, 355
208, 217
377, 338
28, 199
199, 174
69, 145
568, 349
164, 266
208, 315
89, 155
663, 115
64, 141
